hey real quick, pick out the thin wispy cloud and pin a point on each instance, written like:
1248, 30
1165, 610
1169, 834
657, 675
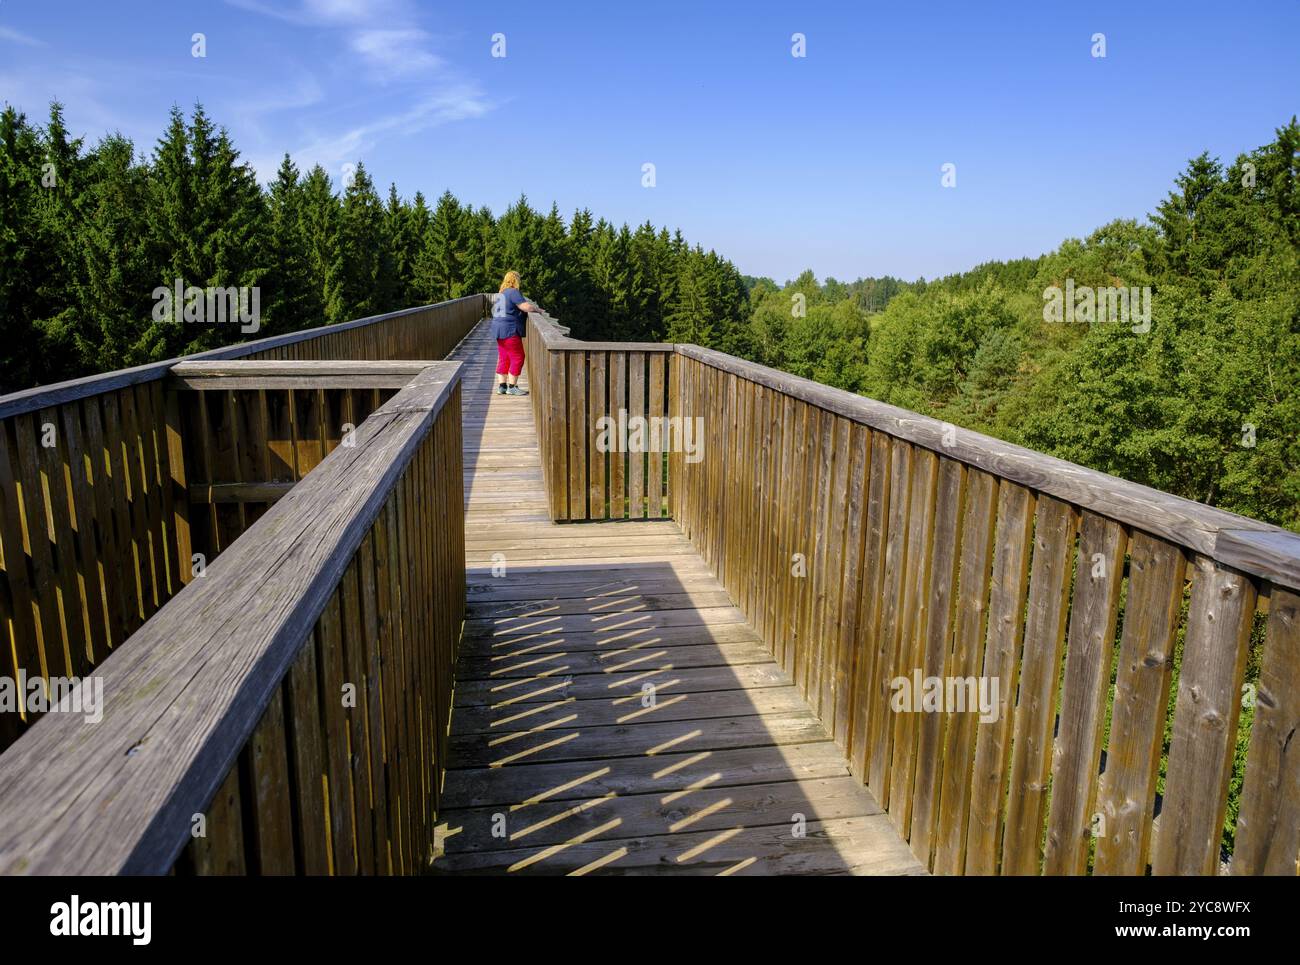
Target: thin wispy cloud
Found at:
337, 81
391, 54
261, 115
326, 13
354, 11
330, 151
18, 37
392, 51
383, 35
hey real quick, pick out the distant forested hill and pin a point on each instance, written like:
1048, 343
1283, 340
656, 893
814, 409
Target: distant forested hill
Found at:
1205, 402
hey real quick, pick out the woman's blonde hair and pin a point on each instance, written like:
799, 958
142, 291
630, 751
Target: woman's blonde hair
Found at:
510, 281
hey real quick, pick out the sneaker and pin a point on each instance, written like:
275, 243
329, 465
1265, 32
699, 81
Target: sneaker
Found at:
501, 388
515, 390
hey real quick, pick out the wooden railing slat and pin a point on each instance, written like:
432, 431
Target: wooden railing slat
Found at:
858, 458
1268, 822
936, 654
866, 638
268, 773
831, 575
636, 408
880, 738
911, 634
1084, 695
1206, 710
220, 851
578, 437
1127, 788
337, 732
656, 413
307, 757
970, 633
1007, 594
1055, 527
597, 460
21, 587
617, 367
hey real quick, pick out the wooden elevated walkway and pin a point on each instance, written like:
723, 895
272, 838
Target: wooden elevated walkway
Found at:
613, 710
363, 616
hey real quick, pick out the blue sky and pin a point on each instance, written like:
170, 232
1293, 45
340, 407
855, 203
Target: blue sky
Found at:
831, 161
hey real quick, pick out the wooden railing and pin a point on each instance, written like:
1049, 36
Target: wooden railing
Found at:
286, 711
589, 473
869, 546
97, 477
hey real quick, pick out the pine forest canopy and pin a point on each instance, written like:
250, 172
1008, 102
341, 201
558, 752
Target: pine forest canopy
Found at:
1203, 402
87, 236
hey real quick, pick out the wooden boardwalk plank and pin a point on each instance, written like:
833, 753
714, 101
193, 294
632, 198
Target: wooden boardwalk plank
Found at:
863, 845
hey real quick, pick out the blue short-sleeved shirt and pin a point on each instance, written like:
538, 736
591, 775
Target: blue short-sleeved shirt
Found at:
507, 319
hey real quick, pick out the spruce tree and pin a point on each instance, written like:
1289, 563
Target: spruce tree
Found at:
321, 216
482, 265
174, 236
53, 259
404, 233
362, 247
118, 270
441, 261
290, 300
19, 168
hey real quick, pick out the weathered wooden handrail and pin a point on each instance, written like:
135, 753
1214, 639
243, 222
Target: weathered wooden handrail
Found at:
96, 474
422, 332
260, 374
303, 681
1191, 524
871, 546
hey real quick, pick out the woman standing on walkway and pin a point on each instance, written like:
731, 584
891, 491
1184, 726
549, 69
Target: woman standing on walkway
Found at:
509, 327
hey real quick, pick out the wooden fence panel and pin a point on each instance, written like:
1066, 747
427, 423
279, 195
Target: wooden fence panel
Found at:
865, 543
97, 470
283, 683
